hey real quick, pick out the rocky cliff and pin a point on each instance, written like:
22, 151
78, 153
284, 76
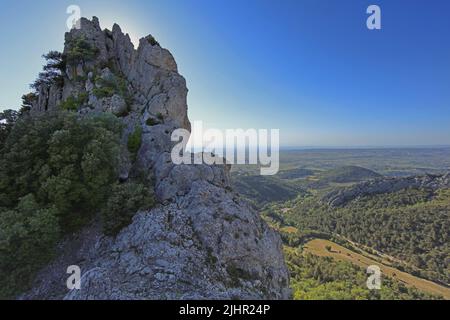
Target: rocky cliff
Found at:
201, 241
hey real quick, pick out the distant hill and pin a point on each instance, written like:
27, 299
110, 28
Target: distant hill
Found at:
295, 173
348, 174
261, 190
428, 183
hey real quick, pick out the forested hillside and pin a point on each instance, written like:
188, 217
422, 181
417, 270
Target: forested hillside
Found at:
263, 190
323, 278
376, 201
410, 225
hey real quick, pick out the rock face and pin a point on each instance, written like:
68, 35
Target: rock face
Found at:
201, 241
341, 197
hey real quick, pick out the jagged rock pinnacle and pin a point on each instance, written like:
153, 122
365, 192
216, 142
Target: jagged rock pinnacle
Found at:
201, 241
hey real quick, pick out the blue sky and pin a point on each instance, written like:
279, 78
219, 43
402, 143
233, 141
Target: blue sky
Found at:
308, 67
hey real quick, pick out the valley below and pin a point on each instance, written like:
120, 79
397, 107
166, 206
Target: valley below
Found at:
340, 211
326, 248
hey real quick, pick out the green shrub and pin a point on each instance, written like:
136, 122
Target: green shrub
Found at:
152, 40
27, 239
73, 103
152, 122
103, 92
79, 50
135, 141
106, 89
7, 120
61, 159
56, 171
125, 200
27, 102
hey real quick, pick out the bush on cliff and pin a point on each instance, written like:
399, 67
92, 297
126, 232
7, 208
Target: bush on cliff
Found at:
28, 234
125, 200
73, 103
134, 142
56, 171
7, 120
79, 50
55, 64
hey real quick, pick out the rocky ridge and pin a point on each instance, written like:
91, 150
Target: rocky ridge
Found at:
202, 241
341, 197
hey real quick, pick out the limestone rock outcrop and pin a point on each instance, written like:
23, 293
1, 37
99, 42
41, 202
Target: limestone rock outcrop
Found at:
202, 241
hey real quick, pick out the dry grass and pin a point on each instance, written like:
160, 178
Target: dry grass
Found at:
318, 247
289, 229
